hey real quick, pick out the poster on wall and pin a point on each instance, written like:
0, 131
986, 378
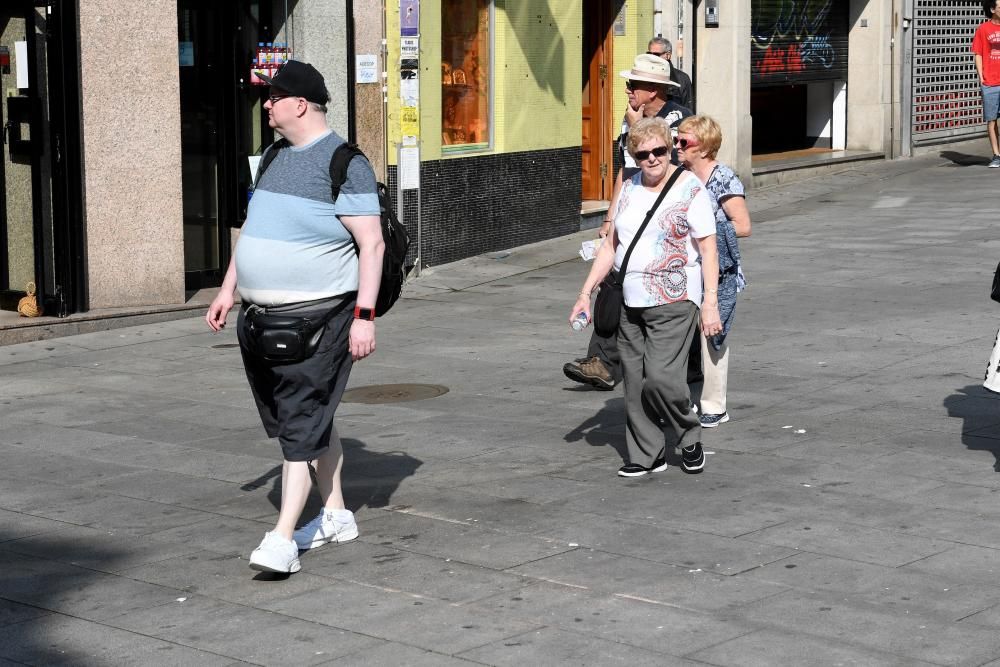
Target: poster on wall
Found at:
409, 18
367, 68
619, 28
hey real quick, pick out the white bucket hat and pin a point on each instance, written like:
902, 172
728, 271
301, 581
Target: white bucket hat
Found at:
653, 69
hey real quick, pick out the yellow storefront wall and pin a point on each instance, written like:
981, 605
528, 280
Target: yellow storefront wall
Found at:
537, 73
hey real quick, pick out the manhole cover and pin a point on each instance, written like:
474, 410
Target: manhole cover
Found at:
225, 346
393, 393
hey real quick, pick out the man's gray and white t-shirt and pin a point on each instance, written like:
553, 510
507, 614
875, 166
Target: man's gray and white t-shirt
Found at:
293, 246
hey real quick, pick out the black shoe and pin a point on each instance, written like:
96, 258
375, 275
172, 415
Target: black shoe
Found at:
693, 458
636, 470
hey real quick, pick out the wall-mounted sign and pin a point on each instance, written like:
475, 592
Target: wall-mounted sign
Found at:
409, 47
409, 18
367, 68
619, 28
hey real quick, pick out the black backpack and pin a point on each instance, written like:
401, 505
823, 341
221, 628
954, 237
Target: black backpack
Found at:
397, 241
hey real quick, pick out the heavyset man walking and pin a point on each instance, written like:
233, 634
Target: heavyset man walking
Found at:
296, 257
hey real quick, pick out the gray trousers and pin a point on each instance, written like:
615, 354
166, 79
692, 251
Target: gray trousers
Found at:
654, 344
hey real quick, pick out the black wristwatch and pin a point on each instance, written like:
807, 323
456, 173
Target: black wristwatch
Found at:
364, 313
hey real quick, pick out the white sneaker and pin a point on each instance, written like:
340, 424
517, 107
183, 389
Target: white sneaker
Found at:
275, 554
325, 528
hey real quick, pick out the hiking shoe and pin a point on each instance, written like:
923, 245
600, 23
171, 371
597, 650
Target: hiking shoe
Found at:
326, 527
995, 162
693, 458
590, 371
636, 470
711, 421
275, 554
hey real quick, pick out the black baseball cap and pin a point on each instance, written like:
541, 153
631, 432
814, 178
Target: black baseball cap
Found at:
301, 80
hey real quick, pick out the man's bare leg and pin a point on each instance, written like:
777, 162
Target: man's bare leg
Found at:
328, 467
295, 487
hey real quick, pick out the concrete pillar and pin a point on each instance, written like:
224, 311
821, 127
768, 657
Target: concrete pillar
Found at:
369, 109
132, 152
869, 76
318, 35
722, 69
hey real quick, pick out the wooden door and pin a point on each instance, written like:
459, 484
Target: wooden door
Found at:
596, 111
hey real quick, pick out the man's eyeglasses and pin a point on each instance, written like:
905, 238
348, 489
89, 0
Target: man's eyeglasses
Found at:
684, 143
632, 85
658, 54
277, 98
659, 151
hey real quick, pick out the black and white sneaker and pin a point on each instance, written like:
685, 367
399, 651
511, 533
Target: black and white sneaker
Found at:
636, 470
711, 421
693, 458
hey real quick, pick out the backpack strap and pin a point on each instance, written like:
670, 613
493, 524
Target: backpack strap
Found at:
339, 163
267, 158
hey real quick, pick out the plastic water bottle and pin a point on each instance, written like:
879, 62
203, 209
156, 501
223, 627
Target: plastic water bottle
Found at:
580, 322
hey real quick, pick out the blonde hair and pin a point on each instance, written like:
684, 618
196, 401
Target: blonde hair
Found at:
706, 131
646, 129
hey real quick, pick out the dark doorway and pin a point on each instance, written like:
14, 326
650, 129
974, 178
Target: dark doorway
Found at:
779, 119
222, 123
41, 240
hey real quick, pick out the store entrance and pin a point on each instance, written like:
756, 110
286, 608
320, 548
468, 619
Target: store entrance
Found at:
40, 228
222, 122
597, 168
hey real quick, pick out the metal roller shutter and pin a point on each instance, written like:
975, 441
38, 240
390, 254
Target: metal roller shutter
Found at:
797, 41
946, 99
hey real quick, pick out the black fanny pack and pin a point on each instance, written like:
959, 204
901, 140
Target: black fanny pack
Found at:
282, 338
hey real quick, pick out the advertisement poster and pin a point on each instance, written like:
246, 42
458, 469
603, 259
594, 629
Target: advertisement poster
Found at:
409, 47
409, 18
367, 68
409, 121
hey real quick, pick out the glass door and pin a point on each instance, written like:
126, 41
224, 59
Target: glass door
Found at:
40, 228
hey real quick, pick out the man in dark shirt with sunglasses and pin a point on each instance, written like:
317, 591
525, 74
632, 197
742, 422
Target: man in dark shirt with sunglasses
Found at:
648, 84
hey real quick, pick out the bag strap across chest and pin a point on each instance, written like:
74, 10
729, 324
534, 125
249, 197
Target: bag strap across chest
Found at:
649, 216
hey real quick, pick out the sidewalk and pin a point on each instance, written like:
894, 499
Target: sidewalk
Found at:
847, 515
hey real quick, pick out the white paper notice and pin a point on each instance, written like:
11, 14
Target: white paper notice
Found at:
254, 161
367, 68
409, 168
21, 61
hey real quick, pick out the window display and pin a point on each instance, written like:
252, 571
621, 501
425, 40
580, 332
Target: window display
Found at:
465, 73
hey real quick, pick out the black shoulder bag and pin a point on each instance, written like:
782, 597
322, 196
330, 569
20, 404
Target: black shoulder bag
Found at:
608, 305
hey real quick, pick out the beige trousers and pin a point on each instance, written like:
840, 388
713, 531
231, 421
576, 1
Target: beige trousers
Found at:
715, 366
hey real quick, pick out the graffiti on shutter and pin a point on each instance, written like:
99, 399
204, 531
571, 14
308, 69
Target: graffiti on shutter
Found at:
797, 41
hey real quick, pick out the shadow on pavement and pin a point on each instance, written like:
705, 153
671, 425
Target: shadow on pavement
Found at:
983, 436
604, 429
965, 160
36, 593
369, 479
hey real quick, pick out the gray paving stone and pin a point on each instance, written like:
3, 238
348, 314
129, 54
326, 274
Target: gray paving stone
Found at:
973, 564
554, 646
464, 542
424, 623
446, 579
100, 550
17, 525
169, 488
394, 653
613, 574
918, 637
619, 618
73, 590
773, 647
242, 633
63, 640
12, 613
881, 547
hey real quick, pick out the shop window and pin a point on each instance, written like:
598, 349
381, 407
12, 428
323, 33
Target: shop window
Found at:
466, 59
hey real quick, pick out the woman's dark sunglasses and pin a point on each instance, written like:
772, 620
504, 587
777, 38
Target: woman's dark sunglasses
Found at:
683, 143
659, 151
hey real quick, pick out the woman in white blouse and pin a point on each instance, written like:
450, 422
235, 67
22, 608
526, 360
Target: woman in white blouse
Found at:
673, 266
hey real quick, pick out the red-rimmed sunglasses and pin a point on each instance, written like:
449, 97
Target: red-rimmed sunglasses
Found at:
659, 151
684, 143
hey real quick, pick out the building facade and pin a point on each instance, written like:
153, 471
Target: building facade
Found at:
130, 130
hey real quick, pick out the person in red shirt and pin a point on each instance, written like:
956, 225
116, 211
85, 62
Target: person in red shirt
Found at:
986, 46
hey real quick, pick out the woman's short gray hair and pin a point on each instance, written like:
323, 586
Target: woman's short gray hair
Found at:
646, 129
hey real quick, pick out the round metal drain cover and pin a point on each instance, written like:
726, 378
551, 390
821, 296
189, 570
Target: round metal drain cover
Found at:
393, 393
225, 346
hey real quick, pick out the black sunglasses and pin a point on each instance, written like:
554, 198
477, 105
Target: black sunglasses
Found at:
659, 151
277, 98
683, 143
660, 54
